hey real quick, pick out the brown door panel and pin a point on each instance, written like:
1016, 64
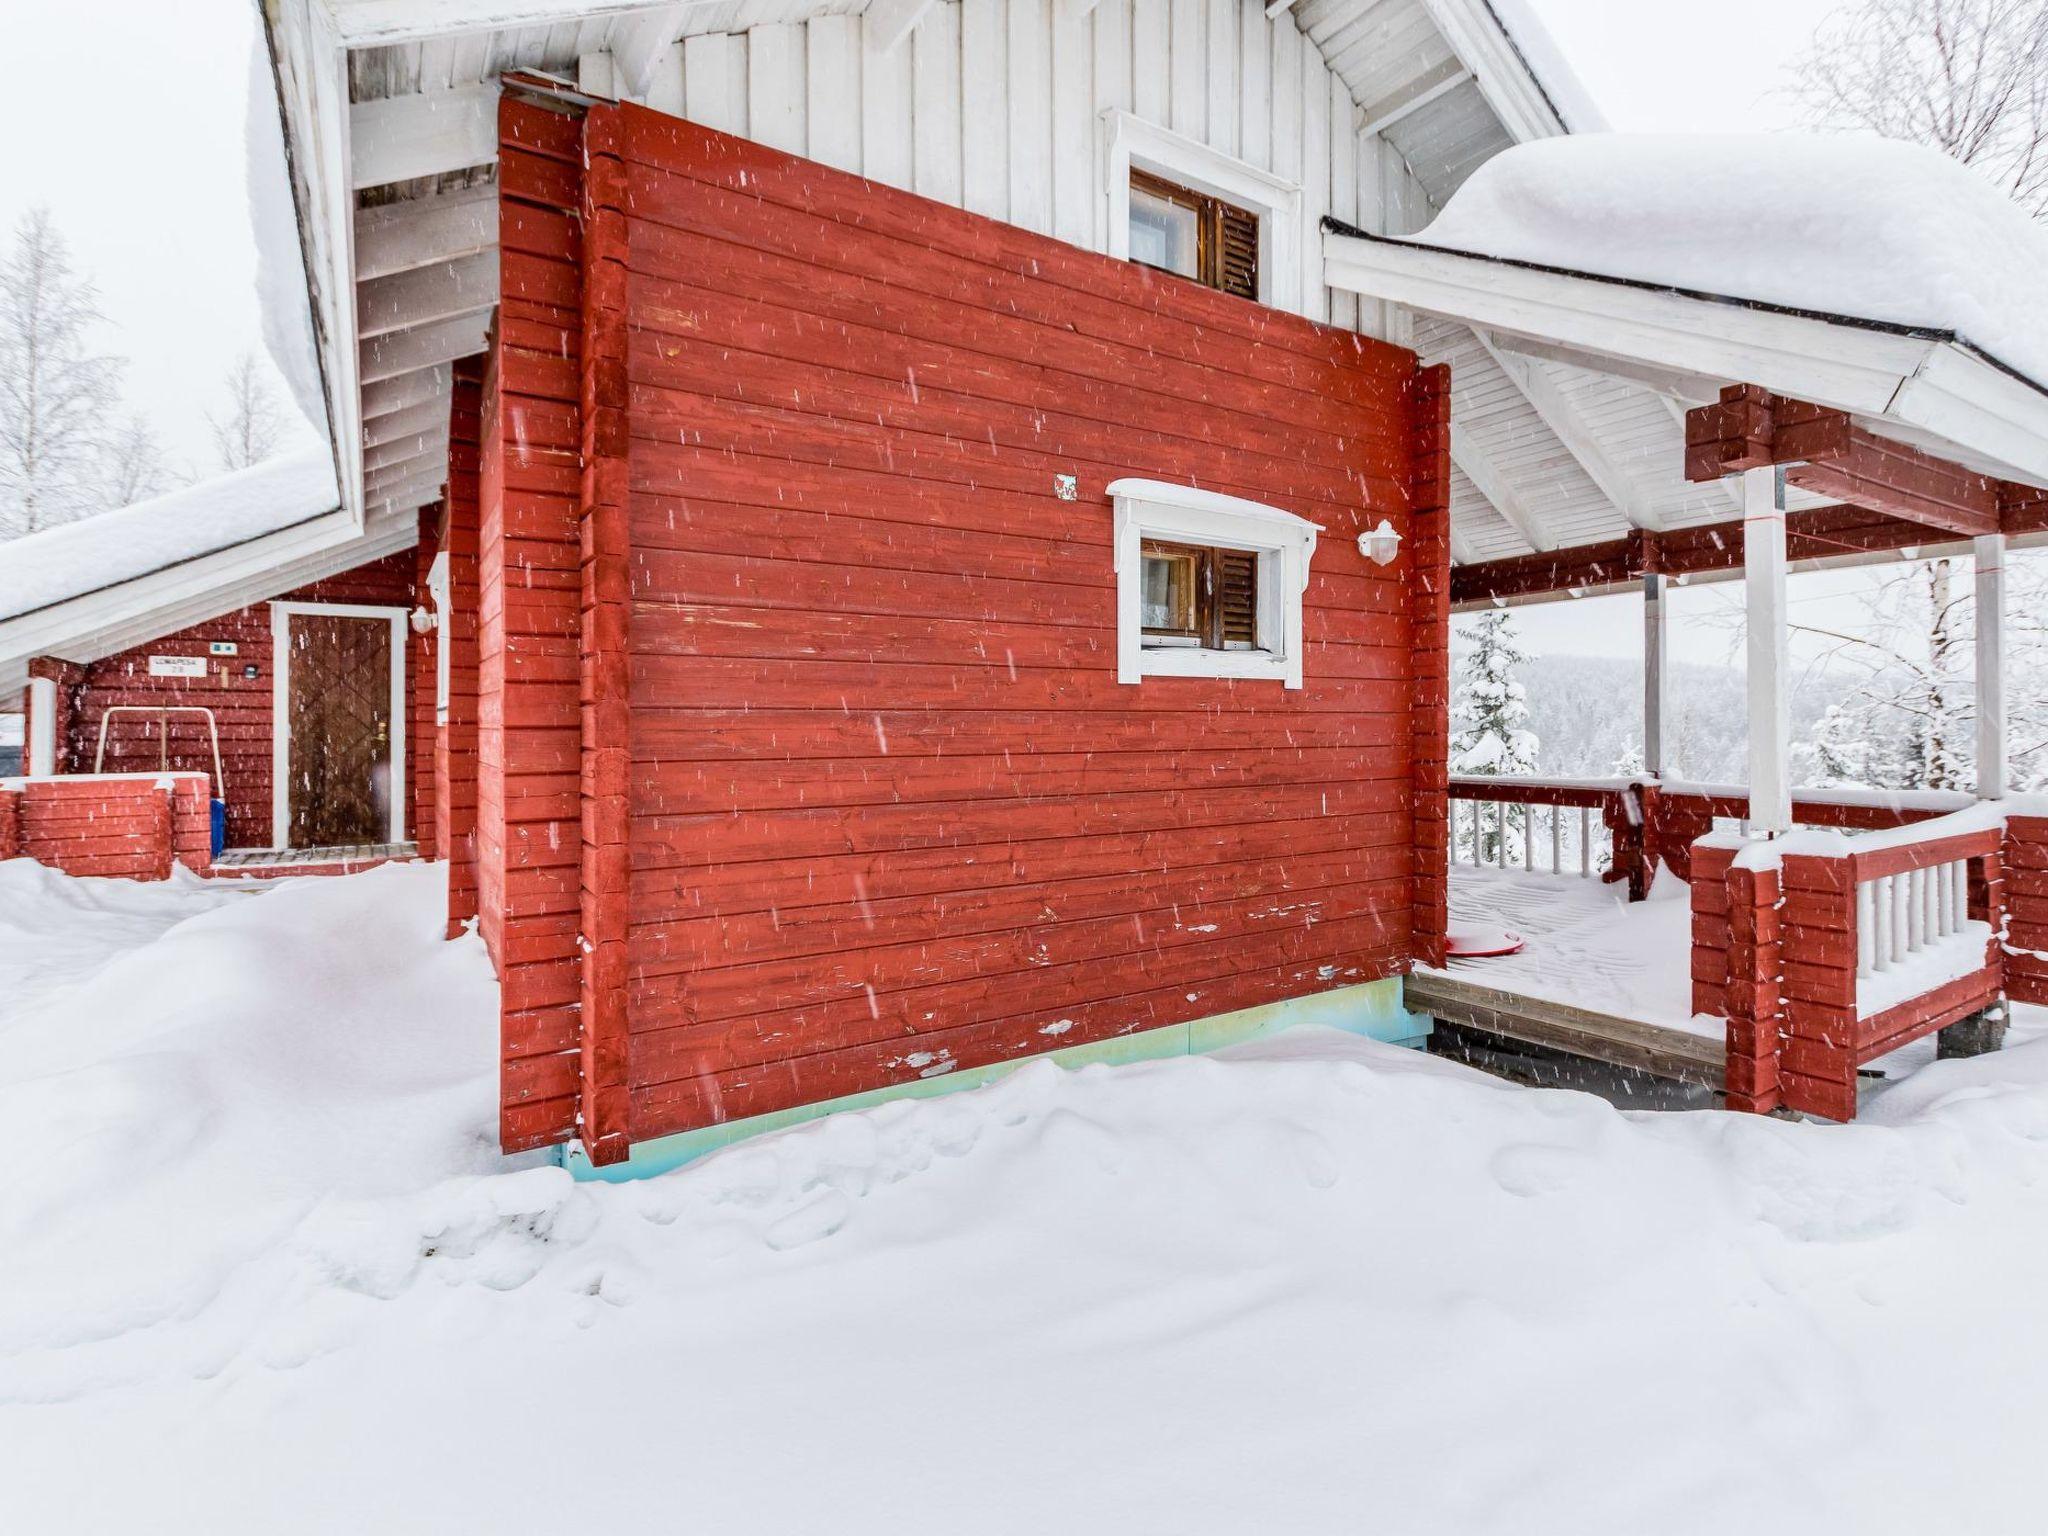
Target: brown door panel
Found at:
339, 784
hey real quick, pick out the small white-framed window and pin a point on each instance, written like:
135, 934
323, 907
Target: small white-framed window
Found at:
1269, 208
1207, 585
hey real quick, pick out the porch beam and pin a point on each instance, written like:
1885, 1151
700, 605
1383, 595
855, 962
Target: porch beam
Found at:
461, 286
1769, 645
1989, 554
1399, 105
404, 495
400, 138
382, 23
1825, 452
429, 416
405, 390
889, 22
386, 357
638, 45
430, 445
1817, 534
1557, 412
425, 231
1474, 464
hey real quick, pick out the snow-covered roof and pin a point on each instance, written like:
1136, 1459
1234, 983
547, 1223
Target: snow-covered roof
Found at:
1589, 291
70, 561
1863, 228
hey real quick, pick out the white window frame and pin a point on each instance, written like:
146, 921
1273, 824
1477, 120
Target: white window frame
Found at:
1183, 514
1133, 142
281, 717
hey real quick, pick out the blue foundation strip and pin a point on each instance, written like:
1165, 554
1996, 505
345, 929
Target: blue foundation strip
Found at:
1375, 1010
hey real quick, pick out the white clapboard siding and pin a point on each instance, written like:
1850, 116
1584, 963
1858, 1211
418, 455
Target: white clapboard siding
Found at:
985, 125
1073, 124
1187, 88
935, 107
997, 106
1030, 103
832, 94
887, 92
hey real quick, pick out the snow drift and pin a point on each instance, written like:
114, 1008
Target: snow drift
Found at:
1866, 228
263, 1271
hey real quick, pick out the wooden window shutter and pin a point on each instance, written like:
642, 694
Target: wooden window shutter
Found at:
1238, 252
1238, 596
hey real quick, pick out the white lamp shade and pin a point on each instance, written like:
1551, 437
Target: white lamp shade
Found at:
1381, 544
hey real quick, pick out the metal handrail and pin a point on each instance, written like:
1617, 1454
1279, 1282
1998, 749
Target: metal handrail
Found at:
163, 712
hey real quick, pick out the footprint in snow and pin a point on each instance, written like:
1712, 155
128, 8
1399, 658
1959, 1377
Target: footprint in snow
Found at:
1534, 1169
1314, 1156
819, 1217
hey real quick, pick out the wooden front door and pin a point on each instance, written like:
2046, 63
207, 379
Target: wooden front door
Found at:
338, 769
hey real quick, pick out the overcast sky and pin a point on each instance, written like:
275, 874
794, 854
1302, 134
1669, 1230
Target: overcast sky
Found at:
145, 175
130, 131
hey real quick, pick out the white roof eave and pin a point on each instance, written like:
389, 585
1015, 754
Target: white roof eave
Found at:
1926, 382
133, 612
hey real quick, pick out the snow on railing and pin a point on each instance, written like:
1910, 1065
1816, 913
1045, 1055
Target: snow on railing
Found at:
1900, 916
1908, 901
1503, 822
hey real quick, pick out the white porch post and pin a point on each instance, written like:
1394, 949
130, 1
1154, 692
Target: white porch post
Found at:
42, 727
1770, 702
1653, 674
1989, 550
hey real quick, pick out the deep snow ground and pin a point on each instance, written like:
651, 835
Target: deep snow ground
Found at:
260, 1271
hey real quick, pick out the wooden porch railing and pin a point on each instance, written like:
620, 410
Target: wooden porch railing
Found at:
1553, 821
1824, 952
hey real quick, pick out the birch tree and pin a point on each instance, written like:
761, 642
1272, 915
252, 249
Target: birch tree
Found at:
132, 464
248, 431
1969, 77
56, 393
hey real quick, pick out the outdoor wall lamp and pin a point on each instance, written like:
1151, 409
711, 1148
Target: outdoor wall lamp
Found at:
1381, 544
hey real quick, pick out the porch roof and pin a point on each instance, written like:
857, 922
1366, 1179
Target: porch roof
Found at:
1579, 341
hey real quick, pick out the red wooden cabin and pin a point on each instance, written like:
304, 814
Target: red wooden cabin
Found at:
928, 537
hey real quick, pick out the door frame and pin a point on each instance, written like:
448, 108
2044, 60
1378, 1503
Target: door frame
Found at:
281, 716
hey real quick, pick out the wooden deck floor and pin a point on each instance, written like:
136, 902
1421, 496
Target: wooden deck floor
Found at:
1598, 977
1678, 1054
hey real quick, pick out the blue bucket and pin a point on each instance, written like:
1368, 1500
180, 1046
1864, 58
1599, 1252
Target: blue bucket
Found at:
220, 826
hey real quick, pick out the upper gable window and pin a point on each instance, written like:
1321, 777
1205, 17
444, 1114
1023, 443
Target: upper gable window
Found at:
1181, 206
1180, 230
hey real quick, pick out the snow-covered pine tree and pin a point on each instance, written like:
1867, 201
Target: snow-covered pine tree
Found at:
1488, 735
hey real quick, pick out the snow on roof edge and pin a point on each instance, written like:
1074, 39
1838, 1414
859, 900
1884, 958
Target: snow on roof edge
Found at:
283, 296
1547, 65
95, 553
1799, 224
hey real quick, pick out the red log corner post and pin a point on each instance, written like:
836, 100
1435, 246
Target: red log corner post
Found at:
2026, 898
804, 769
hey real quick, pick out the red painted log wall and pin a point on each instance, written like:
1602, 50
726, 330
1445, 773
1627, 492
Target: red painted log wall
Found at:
455, 773
241, 706
131, 826
529, 737
890, 814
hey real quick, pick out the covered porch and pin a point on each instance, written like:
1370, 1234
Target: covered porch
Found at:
1648, 390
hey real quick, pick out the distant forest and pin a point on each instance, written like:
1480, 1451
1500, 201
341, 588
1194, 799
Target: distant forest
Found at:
1586, 713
